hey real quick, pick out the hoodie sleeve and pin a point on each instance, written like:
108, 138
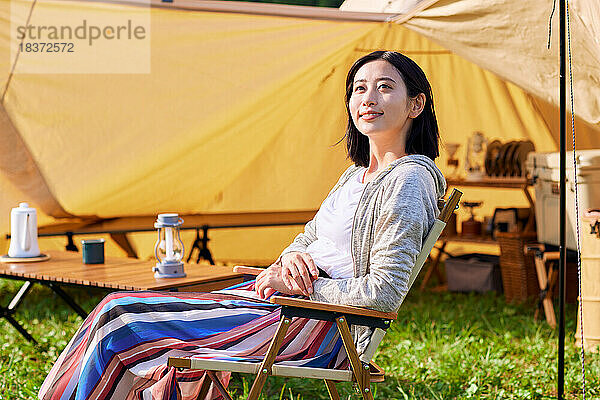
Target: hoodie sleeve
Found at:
408, 210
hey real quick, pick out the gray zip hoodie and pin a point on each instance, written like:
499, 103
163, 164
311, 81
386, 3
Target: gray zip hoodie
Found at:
392, 219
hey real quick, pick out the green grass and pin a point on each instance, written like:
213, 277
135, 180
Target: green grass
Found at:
443, 346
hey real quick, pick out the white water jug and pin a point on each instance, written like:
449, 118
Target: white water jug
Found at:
23, 232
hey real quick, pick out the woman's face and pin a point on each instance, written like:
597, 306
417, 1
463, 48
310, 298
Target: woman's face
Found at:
379, 104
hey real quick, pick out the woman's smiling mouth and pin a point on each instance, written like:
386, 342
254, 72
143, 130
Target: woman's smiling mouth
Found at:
370, 115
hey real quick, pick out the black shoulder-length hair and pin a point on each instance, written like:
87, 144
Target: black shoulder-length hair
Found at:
423, 136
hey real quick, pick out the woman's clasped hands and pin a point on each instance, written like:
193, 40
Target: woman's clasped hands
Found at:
294, 275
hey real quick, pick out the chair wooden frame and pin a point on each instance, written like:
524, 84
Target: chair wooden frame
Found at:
547, 279
362, 370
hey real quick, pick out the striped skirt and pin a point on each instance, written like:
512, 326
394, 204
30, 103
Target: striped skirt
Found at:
121, 349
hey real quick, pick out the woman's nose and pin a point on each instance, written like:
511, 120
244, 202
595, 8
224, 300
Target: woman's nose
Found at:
369, 102
369, 98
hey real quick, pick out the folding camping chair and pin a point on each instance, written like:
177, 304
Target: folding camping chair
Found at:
547, 278
362, 371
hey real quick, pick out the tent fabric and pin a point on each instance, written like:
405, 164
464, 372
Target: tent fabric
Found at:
509, 38
159, 130
21, 169
240, 112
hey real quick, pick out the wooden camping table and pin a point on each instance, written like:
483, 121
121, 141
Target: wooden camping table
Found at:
117, 273
119, 227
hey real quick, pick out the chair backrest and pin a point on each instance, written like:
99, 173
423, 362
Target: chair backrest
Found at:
432, 237
434, 234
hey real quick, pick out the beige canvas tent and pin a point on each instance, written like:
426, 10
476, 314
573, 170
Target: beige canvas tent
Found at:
240, 104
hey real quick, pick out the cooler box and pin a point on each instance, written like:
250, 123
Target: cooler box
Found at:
544, 170
473, 273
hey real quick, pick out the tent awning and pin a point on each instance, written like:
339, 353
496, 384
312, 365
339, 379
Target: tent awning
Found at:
239, 111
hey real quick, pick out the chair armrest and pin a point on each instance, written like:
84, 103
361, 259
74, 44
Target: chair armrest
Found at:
336, 308
247, 270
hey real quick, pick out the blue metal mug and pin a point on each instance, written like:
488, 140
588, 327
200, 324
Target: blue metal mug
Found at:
93, 251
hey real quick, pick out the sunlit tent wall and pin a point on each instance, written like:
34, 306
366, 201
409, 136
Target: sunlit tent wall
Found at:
244, 102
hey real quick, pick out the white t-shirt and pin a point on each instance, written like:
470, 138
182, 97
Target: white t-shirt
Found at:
333, 221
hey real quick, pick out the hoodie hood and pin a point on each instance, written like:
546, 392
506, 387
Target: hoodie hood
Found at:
436, 174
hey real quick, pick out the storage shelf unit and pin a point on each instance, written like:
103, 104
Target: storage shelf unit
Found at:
491, 183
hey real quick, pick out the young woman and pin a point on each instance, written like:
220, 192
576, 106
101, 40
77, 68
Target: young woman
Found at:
363, 241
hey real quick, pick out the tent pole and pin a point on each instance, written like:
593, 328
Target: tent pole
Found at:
562, 222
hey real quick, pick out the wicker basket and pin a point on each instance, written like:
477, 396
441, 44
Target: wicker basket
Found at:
519, 277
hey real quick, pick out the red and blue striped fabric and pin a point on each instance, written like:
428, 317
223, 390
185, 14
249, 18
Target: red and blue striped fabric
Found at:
121, 349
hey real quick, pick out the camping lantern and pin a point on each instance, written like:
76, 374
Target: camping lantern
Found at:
169, 247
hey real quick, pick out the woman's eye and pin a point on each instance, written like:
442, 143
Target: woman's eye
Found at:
383, 85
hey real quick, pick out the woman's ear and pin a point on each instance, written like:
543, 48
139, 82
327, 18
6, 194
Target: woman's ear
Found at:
417, 104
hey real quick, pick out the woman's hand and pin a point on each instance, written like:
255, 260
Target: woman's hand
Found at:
270, 281
299, 270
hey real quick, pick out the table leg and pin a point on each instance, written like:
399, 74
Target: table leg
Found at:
546, 281
195, 245
14, 303
203, 251
68, 299
70, 243
18, 326
530, 226
548, 306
